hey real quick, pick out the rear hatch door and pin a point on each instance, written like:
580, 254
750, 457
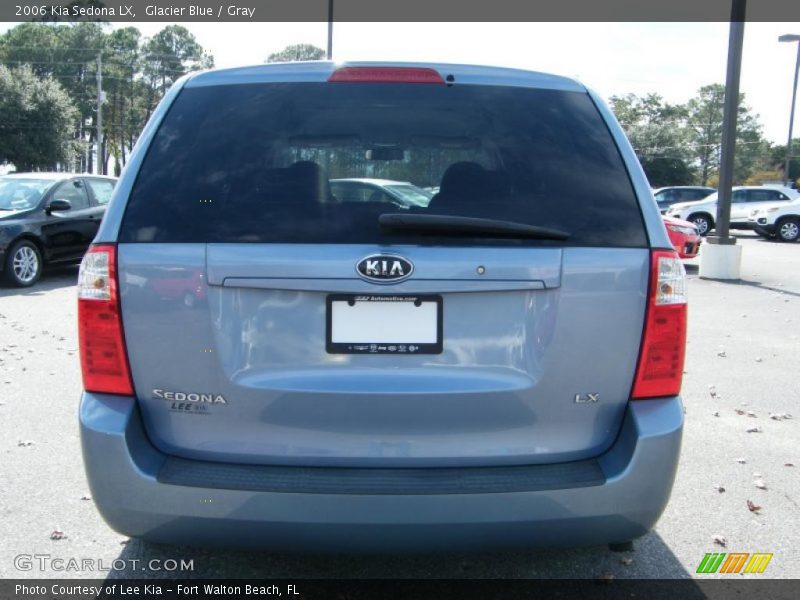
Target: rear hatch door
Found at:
256, 333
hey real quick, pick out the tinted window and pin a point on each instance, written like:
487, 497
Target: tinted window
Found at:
102, 190
75, 192
666, 196
253, 163
764, 196
21, 194
776, 196
696, 194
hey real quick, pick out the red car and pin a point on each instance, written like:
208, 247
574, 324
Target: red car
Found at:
684, 237
184, 285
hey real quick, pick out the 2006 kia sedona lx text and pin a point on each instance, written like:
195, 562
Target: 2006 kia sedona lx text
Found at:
493, 361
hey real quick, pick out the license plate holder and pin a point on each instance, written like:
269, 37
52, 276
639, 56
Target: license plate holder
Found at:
384, 324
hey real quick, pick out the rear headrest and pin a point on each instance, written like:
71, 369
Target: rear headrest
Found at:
310, 181
462, 178
466, 184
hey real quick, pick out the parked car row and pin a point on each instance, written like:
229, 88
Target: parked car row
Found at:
51, 218
48, 218
772, 211
744, 200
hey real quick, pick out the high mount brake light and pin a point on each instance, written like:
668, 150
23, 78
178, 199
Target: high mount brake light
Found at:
660, 368
385, 75
104, 360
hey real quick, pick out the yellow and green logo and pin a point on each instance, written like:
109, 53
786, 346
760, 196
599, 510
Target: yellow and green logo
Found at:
734, 562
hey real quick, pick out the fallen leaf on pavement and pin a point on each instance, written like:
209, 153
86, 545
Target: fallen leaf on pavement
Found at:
739, 411
754, 430
788, 464
57, 535
780, 416
741, 461
25, 443
759, 483
719, 488
752, 507
715, 413
720, 540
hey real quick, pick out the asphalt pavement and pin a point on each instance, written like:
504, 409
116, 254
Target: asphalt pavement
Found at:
740, 390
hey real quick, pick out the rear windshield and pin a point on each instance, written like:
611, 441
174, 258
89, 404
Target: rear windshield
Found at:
255, 162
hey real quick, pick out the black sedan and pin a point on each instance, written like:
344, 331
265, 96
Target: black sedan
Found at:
48, 218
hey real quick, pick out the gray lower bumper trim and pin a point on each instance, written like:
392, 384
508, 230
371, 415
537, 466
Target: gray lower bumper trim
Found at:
371, 481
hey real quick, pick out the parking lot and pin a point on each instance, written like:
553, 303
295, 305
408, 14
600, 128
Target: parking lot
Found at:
740, 444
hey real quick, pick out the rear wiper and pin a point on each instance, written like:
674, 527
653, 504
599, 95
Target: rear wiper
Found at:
454, 225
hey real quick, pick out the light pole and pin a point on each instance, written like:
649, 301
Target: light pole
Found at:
721, 258
329, 53
790, 37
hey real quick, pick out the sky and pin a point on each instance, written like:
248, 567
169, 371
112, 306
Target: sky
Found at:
672, 59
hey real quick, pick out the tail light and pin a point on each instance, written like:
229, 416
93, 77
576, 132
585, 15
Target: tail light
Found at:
385, 75
104, 360
660, 368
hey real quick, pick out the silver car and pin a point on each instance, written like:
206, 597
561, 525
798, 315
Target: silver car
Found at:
499, 366
401, 193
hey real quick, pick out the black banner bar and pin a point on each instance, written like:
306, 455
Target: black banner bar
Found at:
384, 589
131, 11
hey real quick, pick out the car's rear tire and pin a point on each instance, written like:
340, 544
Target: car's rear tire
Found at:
788, 229
24, 264
703, 222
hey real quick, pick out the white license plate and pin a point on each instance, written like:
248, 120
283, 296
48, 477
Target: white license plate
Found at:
379, 324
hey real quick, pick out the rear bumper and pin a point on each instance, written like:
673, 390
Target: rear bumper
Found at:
618, 497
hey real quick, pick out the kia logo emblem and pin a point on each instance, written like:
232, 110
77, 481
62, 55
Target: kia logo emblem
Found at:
384, 268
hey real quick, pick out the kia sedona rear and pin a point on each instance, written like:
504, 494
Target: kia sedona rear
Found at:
496, 365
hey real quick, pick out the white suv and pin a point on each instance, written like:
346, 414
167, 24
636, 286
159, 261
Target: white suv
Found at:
744, 201
781, 222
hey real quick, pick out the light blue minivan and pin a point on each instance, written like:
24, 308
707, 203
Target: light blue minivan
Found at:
497, 366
